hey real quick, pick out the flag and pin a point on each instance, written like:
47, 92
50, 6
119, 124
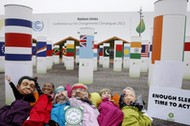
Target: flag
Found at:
187, 46
33, 50
100, 51
18, 39
71, 46
70, 50
95, 46
119, 50
41, 48
144, 50
2, 46
82, 44
135, 51
56, 51
86, 52
49, 50
106, 51
83, 40
126, 50
157, 39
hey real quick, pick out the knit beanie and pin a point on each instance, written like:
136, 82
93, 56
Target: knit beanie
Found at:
59, 89
79, 85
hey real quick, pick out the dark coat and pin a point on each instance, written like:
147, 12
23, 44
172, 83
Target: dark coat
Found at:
14, 114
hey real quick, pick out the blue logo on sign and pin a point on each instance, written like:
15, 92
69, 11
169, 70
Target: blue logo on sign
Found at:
38, 25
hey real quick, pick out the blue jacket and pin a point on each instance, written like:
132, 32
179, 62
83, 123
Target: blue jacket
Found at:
58, 113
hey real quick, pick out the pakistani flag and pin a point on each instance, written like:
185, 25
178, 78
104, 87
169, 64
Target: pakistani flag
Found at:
135, 50
106, 51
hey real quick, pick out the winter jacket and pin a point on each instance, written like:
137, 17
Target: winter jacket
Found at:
110, 114
14, 114
134, 117
90, 113
40, 113
58, 113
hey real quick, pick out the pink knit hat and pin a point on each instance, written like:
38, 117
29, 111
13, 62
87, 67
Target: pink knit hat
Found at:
79, 85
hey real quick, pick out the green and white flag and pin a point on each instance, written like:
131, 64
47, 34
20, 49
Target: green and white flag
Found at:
106, 51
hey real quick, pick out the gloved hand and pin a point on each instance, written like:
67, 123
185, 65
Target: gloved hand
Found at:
121, 101
139, 103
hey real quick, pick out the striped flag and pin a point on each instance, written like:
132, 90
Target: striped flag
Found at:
135, 51
119, 50
70, 50
168, 41
18, 45
144, 50
100, 51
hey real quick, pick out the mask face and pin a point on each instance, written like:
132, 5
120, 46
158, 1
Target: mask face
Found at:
79, 92
61, 96
47, 88
129, 97
26, 87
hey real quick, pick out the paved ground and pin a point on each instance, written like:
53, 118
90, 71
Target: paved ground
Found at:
102, 78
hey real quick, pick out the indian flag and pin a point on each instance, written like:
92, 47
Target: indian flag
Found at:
135, 50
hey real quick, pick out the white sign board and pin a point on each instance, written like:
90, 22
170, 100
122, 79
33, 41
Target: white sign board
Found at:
169, 104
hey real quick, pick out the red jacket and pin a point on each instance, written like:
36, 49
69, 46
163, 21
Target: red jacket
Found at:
40, 113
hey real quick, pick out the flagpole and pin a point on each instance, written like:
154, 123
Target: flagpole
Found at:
140, 13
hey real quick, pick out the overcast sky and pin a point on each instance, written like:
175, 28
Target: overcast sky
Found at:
59, 6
